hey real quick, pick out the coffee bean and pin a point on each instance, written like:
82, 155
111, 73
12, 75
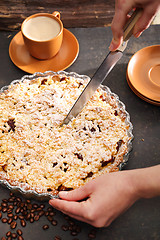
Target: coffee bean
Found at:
29, 206
18, 199
42, 206
33, 210
23, 223
9, 210
8, 234
74, 233
20, 238
41, 213
4, 220
52, 214
4, 209
49, 209
57, 238
19, 232
45, 227
3, 238
65, 228
15, 217
18, 210
10, 206
28, 201
13, 225
54, 222
9, 220
91, 235
4, 204
31, 220
35, 205
38, 209
0, 208
21, 217
71, 223
10, 215
46, 213
36, 217
50, 218
0, 215
14, 235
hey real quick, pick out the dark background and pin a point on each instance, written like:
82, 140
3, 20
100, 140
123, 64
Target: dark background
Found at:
141, 221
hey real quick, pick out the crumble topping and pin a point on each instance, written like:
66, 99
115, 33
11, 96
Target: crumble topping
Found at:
36, 153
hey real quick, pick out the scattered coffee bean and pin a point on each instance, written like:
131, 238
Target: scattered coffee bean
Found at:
8, 234
36, 217
0, 215
19, 232
50, 218
4, 204
31, 220
42, 206
57, 238
91, 235
3, 238
65, 228
23, 223
9, 220
45, 227
74, 233
4, 209
13, 225
10, 215
4, 220
18, 210
54, 222
14, 235
41, 213
20, 238
15, 217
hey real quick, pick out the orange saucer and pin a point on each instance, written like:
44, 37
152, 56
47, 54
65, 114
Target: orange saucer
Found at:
65, 57
143, 74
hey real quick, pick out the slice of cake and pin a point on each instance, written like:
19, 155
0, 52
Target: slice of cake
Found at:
36, 153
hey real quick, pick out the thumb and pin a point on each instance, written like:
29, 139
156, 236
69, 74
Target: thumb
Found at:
77, 194
115, 43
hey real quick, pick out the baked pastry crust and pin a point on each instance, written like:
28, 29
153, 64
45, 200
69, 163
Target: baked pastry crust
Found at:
37, 154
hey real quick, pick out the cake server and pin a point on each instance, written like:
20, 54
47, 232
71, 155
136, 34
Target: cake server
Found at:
104, 69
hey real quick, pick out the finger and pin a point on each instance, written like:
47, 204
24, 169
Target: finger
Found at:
77, 194
74, 208
118, 23
144, 21
79, 218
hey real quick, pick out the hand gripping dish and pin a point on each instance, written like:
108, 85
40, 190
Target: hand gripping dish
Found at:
38, 157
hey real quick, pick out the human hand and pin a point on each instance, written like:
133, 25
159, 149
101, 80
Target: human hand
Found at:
107, 197
122, 9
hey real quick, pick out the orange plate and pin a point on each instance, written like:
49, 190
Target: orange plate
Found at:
143, 73
140, 95
65, 57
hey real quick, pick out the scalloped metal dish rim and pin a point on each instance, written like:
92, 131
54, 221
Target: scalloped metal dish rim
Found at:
46, 196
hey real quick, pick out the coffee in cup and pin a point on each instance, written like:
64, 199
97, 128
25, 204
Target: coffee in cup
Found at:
43, 34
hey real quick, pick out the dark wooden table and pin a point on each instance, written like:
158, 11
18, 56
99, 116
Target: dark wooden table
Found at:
141, 221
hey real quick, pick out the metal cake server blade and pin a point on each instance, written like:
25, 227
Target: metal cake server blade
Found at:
102, 72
